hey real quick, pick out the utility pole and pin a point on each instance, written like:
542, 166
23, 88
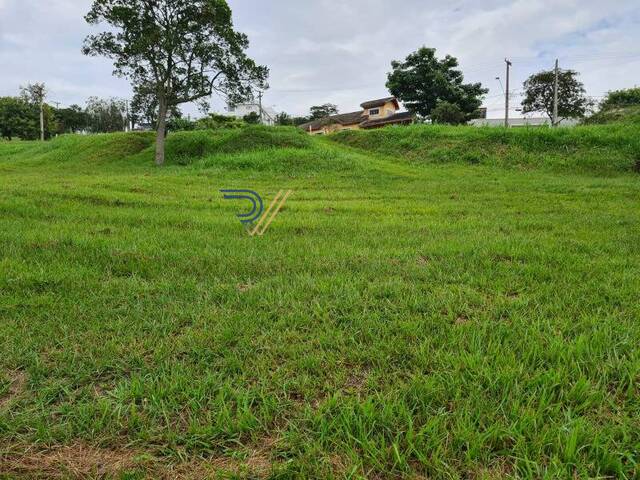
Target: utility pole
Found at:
42, 118
555, 96
260, 106
506, 96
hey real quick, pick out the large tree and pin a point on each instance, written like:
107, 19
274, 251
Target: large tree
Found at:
180, 50
106, 115
145, 108
447, 113
35, 94
322, 111
572, 99
18, 119
421, 81
71, 120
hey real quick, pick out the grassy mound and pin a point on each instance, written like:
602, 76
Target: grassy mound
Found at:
597, 149
395, 321
88, 150
626, 115
186, 147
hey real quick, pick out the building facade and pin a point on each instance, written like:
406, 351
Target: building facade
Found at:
244, 109
374, 114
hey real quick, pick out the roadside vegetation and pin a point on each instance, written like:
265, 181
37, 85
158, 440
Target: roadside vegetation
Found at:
417, 310
610, 149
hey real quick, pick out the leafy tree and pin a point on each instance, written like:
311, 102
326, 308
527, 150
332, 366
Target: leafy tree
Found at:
322, 111
448, 113
181, 50
252, 118
18, 119
284, 119
297, 121
621, 98
215, 121
35, 94
422, 80
71, 120
106, 115
572, 99
179, 124
145, 108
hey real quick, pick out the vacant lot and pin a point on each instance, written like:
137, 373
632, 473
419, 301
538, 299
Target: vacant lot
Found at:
430, 303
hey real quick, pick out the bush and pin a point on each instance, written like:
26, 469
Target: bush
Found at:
621, 98
252, 119
215, 121
620, 106
447, 113
181, 125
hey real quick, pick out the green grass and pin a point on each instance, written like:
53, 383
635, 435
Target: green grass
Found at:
602, 150
409, 314
629, 115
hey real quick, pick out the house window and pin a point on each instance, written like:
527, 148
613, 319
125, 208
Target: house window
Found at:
374, 111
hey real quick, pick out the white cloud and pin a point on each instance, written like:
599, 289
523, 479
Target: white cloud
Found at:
340, 52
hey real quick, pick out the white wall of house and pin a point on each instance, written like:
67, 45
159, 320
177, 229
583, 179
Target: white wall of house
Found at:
242, 110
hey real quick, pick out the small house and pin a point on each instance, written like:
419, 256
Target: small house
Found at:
374, 114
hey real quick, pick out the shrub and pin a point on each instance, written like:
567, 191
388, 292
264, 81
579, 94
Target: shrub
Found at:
181, 125
447, 113
621, 98
215, 121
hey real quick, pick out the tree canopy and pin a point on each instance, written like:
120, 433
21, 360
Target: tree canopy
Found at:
178, 50
629, 97
18, 118
322, 111
572, 99
106, 115
27, 116
252, 118
447, 113
71, 119
422, 80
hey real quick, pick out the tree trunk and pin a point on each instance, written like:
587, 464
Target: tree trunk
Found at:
160, 134
41, 121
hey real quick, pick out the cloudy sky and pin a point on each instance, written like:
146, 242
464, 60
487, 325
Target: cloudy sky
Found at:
339, 51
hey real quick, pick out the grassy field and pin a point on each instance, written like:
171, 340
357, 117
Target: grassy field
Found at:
430, 303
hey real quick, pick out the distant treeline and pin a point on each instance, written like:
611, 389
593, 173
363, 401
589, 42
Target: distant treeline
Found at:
20, 117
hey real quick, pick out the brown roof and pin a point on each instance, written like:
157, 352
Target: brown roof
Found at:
361, 118
379, 103
402, 117
352, 118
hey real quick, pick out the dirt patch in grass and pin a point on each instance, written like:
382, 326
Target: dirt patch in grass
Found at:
244, 287
75, 461
83, 461
500, 469
256, 463
423, 260
17, 385
356, 380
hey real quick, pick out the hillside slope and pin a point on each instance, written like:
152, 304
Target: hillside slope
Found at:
399, 319
621, 115
606, 150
